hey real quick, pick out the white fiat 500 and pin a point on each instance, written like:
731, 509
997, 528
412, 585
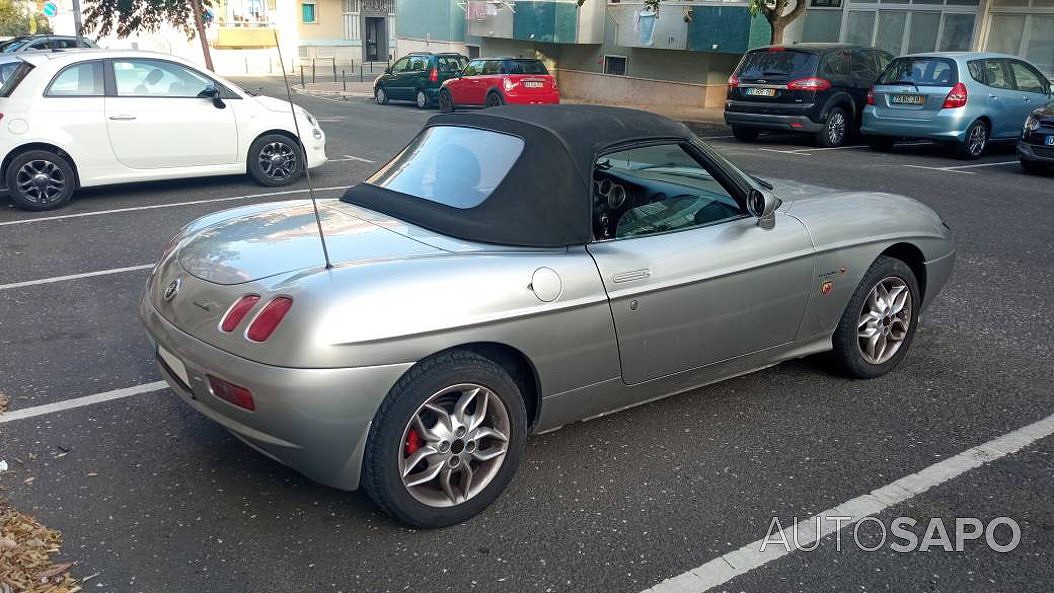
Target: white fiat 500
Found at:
95, 117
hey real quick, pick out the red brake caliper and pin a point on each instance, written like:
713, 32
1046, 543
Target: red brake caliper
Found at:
413, 442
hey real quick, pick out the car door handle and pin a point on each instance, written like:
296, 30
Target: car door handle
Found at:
122, 117
631, 276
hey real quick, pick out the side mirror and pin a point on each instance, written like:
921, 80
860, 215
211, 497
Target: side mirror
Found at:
211, 92
388, 70
762, 204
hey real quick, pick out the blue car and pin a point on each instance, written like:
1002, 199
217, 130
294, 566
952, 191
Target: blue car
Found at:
964, 99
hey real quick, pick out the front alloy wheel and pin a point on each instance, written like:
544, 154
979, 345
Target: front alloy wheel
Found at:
278, 160
885, 320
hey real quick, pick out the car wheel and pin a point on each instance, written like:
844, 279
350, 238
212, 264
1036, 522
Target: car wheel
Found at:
422, 100
880, 320
40, 180
835, 129
275, 160
745, 134
446, 101
380, 96
446, 441
972, 147
880, 143
1033, 166
494, 99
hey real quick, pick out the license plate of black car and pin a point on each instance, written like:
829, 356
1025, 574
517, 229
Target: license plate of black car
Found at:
909, 99
759, 92
1049, 141
533, 84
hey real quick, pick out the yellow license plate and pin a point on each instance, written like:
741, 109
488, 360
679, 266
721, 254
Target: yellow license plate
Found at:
759, 92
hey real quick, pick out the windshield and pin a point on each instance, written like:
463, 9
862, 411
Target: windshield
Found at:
921, 72
782, 63
451, 165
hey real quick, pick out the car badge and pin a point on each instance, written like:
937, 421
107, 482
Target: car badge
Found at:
826, 287
172, 289
762, 81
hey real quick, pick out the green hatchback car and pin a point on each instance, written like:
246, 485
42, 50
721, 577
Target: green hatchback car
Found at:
417, 77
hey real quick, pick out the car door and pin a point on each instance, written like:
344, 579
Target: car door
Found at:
471, 84
157, 118
389, 80
413, 77
1001, 98
691, 278
1032, 90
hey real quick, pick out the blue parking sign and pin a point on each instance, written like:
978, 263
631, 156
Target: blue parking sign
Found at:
50, 9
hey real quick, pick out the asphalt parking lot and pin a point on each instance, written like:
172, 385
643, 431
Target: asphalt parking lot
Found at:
151, 496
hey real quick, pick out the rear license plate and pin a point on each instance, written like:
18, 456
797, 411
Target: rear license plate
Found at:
533, 84
1049, 141
759, 92
908, 99
174, 364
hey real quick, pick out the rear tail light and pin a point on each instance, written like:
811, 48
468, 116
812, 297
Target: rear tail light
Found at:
733, 81
871, 96
238, 311
956, 97
433, 75
267, 321
229, 392
809, 84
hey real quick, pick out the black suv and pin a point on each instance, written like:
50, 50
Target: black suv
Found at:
417, 77
819, 88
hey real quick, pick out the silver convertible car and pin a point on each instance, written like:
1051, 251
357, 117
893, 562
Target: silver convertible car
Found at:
511, 271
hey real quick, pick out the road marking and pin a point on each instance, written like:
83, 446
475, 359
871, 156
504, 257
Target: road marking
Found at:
836, 148
956, 169
171, 205
723, 569
74, 277
349, 157
714, 137
797, 152
942, 169
79, 402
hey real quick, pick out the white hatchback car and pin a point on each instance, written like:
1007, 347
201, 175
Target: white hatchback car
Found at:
97, 117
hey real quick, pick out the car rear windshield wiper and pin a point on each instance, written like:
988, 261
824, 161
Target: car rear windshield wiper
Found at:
911, 82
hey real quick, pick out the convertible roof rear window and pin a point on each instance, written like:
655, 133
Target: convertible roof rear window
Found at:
451, 165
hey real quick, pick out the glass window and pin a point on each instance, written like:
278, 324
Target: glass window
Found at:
976, 68
491, 67
790, 63
996, 75
1026, 79
157, 78
921, 71
79, 80
400, 66
308, 14
958, 32
1005, 33
1041, 43
450, 165
474, 68
418, 64
822, 26
826, 3
890, 35
524, 67
11, 74
865, 67
923, 34
615, 65
835, 64
450, 63
860, 26
656, 189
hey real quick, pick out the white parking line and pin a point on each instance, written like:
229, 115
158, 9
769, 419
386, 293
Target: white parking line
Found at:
349, 157
79, 402
724, 568
171, 205
74, 277
796, 152
956, 169
714, 137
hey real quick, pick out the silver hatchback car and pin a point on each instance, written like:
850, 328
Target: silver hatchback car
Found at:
966, 99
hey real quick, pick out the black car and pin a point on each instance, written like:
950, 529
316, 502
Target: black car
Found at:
45, 43
417, 77
818, 88
1035, 149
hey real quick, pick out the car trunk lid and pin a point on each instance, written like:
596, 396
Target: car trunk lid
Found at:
914, 88
775, 76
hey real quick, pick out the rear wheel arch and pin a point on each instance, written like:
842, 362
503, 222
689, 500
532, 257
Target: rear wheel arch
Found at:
913, 257
843, 100
40, 146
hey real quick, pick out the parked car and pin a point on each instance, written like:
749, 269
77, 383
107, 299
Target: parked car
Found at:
45, 43
964, 99
479, 290
417, 77
490, 82
97, 117
1035, 149
818, 88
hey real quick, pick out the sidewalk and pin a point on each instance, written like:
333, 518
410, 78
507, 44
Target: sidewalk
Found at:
358, 89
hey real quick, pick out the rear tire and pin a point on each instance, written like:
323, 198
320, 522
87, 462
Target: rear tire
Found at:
446, 101
421, 99
1033, 166
275, 160
494, 99
40, 180
880, 143
972, 147
835, 128
745, 134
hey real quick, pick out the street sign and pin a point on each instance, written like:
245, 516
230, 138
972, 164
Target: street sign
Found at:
50, 9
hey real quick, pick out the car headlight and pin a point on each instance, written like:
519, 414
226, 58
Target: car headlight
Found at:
1031, 123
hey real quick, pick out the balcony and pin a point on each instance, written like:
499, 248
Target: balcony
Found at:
712, 26
544, 21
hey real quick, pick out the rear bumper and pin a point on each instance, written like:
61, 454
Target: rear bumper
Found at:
948, 125
1035, 153
768, 121
515, 98
313, 420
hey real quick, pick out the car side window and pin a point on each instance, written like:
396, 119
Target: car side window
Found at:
1027, 79
864, 66
474, 68
492, 67
157, 78
996, 75
418, 64
78, 80
656, 189
884, 59
400, 66
448, 64
835, 64
976, 68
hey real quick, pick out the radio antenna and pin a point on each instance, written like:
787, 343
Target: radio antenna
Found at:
307, 171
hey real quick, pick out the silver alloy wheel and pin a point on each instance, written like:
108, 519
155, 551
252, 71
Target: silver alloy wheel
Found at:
379, 96
422, 100
41, 181
836, 127
454, 445
978, 138
885, 320
277, 160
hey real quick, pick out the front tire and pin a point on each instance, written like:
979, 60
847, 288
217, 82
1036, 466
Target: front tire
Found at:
40, 180
745, 134
446, 101
380, 96
275, 160
835, 129
879, 323
446, 441
972, 147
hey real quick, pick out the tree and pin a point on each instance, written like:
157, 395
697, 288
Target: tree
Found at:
16, 20
127, 17
777, 15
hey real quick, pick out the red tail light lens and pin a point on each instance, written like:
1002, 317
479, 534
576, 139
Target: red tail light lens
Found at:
267, 321
733, 81
871, 96
433, 75
956, 97
238, 311
232, 393
809, 84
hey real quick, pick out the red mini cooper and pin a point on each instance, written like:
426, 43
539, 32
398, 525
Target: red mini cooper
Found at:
497, 81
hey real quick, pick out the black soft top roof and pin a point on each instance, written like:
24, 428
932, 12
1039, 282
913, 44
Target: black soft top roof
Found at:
546, 198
